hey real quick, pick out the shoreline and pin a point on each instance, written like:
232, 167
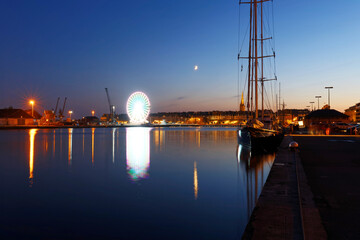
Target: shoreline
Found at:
116, 126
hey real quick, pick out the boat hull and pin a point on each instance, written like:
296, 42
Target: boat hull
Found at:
259, 140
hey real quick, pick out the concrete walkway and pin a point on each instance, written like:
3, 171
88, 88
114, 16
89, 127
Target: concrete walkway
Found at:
285, 209
332, 167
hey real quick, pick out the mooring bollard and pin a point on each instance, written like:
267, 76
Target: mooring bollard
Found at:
293, 145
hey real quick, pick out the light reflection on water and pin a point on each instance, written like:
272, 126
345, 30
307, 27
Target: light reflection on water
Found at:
255, 174
138, 152
32, 134
195, 182
70, 145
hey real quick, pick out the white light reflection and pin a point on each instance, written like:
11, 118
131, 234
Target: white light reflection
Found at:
239, 149
138, 152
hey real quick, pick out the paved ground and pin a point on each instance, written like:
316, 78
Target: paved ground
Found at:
285, 208
332, 167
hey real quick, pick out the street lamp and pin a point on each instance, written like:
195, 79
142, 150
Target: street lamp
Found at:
328, 88
312, 105
32, 102
318, 97
70, 112
92, 112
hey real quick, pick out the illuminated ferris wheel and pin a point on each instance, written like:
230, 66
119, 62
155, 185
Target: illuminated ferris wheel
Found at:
138, 107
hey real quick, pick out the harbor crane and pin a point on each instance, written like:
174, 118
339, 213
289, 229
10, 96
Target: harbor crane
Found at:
112, 107
61, 111
57, 103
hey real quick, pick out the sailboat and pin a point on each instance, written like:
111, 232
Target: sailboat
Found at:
254, 135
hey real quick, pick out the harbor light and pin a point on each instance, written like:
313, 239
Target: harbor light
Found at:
318, 98
312, 106
32, 102
92, 112
328, 88
70, 112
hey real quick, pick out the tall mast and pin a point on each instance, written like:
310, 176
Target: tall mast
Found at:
262, 65
279, 102
253, 57
250, 60
256, 60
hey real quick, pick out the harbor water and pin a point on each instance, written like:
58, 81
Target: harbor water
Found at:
127, 183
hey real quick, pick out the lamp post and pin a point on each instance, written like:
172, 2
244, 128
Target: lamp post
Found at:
318, 98
328, 88
308, 107
32, 102
92, 112
312, 105
70, 112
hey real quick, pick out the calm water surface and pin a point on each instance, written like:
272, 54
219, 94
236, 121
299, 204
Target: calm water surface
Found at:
127, 183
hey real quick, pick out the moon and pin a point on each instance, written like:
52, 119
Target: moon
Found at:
196, 67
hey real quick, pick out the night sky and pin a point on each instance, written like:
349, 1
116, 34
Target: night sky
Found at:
75, 49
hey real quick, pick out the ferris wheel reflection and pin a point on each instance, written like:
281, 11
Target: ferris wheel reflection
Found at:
138, 152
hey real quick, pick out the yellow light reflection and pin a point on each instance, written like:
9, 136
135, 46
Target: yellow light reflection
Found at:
198, 137
92, 145
113, 144
70, 146
83, 142
32, 134
46, 143
138, 152
156, 136
54, 144
195, 182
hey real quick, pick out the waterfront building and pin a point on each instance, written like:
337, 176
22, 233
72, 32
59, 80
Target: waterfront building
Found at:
15, 117
354, 113
325, 116
351, 112
90, 121
199, 118
33, 113
292, 116
357, 107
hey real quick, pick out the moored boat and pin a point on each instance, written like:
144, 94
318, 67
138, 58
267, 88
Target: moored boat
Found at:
253, 135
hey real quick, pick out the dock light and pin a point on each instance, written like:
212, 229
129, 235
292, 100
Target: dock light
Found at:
328, 88
312, 105
318, 98
70, 112
32, 102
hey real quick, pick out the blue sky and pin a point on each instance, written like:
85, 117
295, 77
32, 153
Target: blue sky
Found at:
77, 48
